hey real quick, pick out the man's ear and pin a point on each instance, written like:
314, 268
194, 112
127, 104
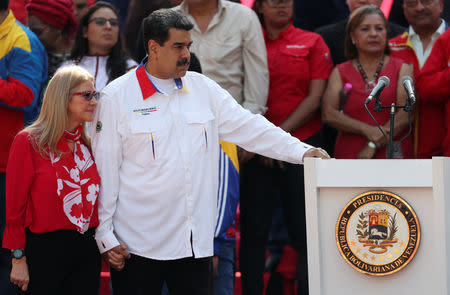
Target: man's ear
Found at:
153, 47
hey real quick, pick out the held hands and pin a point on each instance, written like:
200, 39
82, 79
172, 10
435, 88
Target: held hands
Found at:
116, 256
19, 273
374, 134
317, 153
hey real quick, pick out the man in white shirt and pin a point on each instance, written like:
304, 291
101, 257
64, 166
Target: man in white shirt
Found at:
156, 150
414, 46
229, 44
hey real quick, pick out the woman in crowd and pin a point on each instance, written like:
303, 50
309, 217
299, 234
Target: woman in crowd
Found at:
52, 188
299, 64
98, 47
367, 49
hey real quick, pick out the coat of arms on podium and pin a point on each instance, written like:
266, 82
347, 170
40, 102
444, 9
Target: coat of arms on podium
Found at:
378, 233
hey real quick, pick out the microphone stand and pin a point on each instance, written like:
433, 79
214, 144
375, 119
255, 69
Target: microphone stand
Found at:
393, 107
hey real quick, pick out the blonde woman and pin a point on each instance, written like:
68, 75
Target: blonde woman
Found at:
52, 186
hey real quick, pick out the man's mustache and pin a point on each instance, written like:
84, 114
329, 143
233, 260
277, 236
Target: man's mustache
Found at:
421, 14
182, 62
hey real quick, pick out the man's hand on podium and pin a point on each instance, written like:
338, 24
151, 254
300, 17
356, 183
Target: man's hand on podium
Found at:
317, 153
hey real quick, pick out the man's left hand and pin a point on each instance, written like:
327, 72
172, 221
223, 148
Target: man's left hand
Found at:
317, 153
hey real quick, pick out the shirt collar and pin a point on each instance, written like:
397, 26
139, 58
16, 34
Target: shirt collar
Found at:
185, 7
6, 25
147, 87
221, 8
282, 35
440, 30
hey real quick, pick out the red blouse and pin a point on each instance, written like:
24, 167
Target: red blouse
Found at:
295, 58
32, 201
348, 145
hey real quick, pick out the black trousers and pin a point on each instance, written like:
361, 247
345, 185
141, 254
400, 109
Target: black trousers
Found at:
63, 262
187, 276
258, 190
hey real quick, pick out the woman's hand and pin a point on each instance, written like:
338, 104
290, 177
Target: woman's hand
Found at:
19, 273
367, 152
374, 134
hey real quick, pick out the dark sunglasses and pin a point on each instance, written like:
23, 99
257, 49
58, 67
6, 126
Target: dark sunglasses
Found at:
101, 21
88, 95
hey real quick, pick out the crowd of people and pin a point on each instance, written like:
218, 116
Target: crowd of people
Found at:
132, 132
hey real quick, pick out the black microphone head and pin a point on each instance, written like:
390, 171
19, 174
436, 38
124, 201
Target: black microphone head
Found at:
385, 80
407, 78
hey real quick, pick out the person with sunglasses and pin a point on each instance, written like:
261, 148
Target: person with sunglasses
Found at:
98, 47
52, 187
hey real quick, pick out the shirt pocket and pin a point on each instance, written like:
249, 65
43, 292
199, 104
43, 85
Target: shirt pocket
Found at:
199, 129
148, 137
226, 50
295, 61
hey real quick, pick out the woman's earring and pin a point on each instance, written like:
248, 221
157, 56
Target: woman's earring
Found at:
353, 42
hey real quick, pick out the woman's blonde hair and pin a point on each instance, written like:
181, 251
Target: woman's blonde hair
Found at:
49, 127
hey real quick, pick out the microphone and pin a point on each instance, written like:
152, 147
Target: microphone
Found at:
382, 83
409, 88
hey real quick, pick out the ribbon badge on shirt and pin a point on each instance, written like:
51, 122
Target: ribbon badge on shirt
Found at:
145, 111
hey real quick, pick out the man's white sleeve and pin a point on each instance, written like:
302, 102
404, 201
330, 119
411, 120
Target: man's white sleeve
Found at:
254, 132
107, 150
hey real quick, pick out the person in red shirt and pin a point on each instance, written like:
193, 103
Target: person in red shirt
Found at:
368, 53
433, 84
299, 64
52, 186
413, 47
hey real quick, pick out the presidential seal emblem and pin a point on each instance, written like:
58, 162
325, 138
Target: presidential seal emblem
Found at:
378, 233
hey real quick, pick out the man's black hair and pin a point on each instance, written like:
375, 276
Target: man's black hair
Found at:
4, 4
156, 26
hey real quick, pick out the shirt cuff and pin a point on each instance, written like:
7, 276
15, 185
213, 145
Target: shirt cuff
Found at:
106, 242
14, 237
304, 147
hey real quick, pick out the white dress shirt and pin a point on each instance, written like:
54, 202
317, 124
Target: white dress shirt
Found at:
157, 158
423, 53
232, 52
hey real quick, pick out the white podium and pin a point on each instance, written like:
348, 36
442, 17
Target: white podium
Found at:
424, 184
